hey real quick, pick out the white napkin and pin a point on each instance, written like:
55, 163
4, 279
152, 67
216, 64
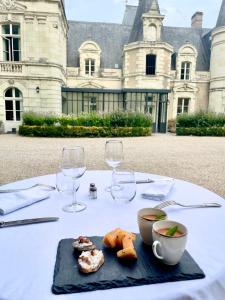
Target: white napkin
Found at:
158, 190
10, 202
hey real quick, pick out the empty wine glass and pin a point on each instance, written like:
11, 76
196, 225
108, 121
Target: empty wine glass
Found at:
123, 187
73, 166
113, 154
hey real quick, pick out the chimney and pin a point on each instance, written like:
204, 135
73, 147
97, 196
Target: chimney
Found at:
197, 19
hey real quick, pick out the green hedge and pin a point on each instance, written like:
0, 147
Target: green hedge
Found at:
201, 124
201, 120
201, 131
115, 119
82, 131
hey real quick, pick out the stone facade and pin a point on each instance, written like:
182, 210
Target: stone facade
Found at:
56, 54
41, 71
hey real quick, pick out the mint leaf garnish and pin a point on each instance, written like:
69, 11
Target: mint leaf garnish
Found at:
160, 217
172, 230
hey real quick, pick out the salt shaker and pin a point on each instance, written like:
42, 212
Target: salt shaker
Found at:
93, 191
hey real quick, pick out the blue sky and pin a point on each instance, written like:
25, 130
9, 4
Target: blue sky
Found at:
178, 12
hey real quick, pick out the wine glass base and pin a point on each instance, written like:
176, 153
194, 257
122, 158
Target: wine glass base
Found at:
71, 208
108, 189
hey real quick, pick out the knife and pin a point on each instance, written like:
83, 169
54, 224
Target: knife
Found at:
27, 222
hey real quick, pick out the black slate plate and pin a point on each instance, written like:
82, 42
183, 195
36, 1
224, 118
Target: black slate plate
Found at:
114, 274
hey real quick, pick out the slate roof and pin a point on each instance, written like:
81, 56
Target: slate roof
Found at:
137, 28
221, 17
200, 38
129, 15
110, 37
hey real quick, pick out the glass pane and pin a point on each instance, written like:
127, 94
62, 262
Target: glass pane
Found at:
16, 44
16, 55
179, 110
186, 102
6, 29
8, 105
9, 115
185, 110
5, 44
180, 100
17, 93
9, 93
18, 118
6, 56
17, 105
150, 64
15, 29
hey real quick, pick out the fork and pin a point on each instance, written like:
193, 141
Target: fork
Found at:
172, 202
51, 188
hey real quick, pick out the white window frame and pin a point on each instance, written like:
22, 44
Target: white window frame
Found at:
183, 106
186, 66
9, 37
14, 99
89, 63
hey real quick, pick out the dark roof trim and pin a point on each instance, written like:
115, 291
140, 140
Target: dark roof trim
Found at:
89, 90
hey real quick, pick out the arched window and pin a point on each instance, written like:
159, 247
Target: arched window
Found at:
150, 64
152, 33
13, 104
185, 70
11, 42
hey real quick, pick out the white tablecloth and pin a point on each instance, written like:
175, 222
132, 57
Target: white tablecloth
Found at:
27, 253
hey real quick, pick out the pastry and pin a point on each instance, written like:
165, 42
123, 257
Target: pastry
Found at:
83, 243
90, 261
123, 240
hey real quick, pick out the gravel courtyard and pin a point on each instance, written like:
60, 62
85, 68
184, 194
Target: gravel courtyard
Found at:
198, 160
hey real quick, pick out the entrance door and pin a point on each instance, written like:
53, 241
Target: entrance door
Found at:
162, 113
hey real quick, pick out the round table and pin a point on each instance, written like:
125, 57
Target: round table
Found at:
28, 253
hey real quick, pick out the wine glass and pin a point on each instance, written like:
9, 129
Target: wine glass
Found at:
113, 154
73, 166
123, 187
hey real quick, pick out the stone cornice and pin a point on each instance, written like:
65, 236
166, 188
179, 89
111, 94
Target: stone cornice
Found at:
151, 45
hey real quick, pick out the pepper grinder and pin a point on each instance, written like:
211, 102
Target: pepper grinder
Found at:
93, 191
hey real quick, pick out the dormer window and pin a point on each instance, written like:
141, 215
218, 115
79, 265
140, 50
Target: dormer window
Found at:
150, 64
89, 67
11, 42
185, 70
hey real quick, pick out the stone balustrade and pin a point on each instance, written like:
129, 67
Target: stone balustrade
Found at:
11, 67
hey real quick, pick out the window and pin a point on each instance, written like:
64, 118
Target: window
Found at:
11, 42
183, 105
185, 70
13, 104
150, 64
173, 61
89, 67
93, 104
148, 104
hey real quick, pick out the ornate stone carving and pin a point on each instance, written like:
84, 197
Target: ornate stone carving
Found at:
11, 5
7, 4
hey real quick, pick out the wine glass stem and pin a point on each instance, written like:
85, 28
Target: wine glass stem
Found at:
74, 202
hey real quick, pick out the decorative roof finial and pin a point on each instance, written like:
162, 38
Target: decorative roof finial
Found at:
126, 2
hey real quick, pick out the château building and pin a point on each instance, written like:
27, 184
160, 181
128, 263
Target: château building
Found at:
50, 64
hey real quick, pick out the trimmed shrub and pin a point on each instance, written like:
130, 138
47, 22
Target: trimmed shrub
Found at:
83, 131
201, 124
201, 131
114, 119
201, 120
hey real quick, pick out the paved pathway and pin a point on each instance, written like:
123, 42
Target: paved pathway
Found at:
200, 160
